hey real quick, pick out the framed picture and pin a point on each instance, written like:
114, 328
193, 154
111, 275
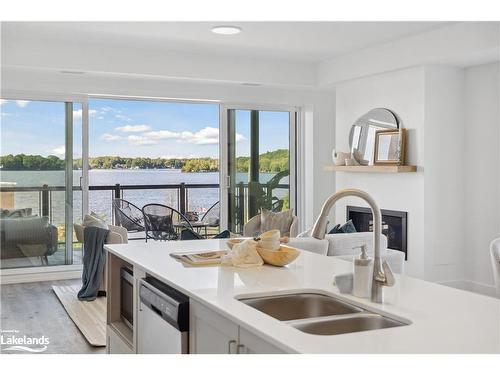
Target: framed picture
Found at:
390, 147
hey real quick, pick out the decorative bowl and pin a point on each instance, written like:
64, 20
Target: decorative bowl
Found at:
285, 255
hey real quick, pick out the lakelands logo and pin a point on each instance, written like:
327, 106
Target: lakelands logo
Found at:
12, 340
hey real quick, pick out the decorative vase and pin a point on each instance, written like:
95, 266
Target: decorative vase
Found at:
339, 158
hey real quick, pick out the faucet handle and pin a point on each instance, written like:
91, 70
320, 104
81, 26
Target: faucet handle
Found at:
389, 276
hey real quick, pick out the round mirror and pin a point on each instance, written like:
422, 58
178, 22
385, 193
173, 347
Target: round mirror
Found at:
362, 135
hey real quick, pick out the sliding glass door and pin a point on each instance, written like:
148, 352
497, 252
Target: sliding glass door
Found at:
41, 143
260, 164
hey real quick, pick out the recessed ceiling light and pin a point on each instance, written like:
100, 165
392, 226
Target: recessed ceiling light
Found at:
226, 30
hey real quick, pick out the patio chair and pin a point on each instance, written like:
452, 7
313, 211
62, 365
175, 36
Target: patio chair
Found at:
164, 223
128, 216
212, 216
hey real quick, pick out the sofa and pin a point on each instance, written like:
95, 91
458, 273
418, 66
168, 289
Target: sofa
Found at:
344, 246
24, 235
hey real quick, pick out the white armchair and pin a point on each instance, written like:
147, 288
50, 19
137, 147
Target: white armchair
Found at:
116, 234
252, 227
495, 262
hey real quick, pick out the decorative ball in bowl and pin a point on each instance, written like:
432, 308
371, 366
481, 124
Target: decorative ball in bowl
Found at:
285, 255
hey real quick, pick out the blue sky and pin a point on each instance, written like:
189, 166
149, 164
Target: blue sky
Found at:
132, 128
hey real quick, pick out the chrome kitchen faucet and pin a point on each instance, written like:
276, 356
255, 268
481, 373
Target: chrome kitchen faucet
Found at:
382, 273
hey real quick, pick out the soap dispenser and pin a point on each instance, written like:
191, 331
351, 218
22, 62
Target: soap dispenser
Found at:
362, 274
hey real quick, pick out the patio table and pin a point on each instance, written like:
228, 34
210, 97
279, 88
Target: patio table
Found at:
197, 225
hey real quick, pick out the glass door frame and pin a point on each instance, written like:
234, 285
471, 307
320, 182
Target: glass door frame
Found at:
69, 101
225, 178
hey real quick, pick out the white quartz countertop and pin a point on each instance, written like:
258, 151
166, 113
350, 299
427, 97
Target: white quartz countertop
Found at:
443, 319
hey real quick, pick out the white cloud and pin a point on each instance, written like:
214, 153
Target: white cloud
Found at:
133, 128
206, 136
140, 140
22, 103
162, 134
59, 150
77, 114
189, 156
110, 137
123, 117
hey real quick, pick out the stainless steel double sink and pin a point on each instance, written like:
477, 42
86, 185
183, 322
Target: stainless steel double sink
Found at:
319, 314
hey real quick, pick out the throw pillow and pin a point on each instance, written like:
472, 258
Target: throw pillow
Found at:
276, 220
335, 230
93, 220
346, 228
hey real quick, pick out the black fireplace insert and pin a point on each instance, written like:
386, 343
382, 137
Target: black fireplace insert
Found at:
394, 225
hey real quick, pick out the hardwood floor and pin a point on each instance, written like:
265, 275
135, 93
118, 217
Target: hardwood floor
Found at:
34, 310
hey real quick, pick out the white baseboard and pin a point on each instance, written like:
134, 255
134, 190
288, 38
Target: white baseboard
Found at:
36, 274
472, 286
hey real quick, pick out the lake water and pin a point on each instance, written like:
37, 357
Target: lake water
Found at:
199, 200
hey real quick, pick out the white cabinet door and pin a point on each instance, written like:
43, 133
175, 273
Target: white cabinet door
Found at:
252, 344
209, 332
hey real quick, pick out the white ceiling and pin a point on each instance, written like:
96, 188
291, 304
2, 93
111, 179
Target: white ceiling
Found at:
312, 42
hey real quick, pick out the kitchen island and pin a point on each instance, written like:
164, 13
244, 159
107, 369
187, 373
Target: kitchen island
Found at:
439, 319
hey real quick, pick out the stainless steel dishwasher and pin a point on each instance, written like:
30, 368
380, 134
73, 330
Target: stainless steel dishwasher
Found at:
163, 322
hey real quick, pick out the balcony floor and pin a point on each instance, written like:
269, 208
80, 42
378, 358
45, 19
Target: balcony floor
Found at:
56, 259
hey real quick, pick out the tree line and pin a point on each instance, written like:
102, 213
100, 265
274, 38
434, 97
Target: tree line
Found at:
272, 161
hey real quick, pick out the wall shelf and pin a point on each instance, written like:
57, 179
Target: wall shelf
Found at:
372, 168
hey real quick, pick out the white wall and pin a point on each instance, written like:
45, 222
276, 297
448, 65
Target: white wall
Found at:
403, 92
482, 172
460, 44
444, 142
453, 201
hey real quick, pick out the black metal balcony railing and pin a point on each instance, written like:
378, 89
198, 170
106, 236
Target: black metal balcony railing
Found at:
45, 193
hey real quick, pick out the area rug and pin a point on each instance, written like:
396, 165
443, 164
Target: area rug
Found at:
89, 317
